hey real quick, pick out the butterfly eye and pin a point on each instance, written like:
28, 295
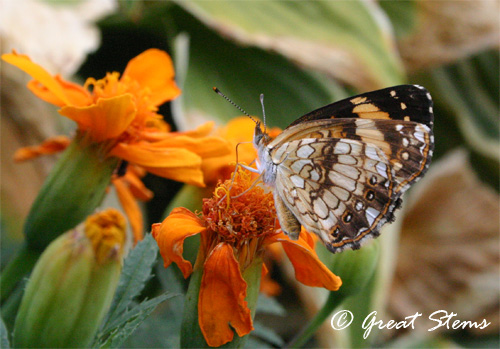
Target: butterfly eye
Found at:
370, 195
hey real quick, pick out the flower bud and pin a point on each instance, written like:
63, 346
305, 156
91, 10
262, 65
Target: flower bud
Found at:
72, 285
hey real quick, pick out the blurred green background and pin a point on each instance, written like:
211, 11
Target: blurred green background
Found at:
442, 253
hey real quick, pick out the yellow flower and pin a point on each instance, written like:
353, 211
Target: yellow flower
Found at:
120, 114
237, 224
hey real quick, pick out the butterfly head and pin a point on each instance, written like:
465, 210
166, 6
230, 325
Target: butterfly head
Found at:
260, 137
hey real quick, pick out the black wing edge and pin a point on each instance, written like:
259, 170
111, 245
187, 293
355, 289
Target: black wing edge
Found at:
402, 102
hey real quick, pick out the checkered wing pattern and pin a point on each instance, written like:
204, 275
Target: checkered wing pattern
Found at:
340, 171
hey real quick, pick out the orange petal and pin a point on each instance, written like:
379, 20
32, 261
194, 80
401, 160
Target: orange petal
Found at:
76, 94
268, 286
154, 69
104, 120
38, 73
308, 268
130, 207
170, 236
205, 147
136, 186
201, 131
222, 298
49, 146
189, 175
147, 155
240, 129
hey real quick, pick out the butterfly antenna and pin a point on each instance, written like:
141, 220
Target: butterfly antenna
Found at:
216, 90
263, 111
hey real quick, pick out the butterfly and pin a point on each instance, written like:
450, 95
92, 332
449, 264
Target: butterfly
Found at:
340, 171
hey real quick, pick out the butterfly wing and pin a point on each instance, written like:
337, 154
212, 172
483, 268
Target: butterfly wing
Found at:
340, 171
403, 102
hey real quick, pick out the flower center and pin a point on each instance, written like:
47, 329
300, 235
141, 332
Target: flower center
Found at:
240, 211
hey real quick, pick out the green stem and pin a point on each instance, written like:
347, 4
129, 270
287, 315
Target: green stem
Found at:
334, 300
21, 265
74, 189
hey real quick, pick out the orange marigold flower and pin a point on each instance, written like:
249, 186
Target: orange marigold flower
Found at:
236, 225
120, 114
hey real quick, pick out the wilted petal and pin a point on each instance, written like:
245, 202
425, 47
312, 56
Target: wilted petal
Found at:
170, 236
49, 146
130, 207
222, 298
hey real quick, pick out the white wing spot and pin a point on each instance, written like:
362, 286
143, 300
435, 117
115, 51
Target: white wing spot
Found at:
371, 214
342, 148
345, 170
420, 136
298, 165
399, 127
405, 142
320, 208
346, 159
305, 151
330, 199
314, 175
297, 181
371, 152
382, 169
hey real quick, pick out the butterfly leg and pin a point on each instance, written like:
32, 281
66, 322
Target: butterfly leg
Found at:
288, 222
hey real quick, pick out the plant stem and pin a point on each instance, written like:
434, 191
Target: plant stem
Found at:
334, 299
16, 269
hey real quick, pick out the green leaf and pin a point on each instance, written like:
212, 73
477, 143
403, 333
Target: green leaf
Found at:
267, 334
4, 335
402, 15
467, 108
136, 272
204, 60
130, 321
269, 305
162, 328
347, 40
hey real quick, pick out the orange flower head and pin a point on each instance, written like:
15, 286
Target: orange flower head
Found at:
238, 214
236, 225
118, 116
